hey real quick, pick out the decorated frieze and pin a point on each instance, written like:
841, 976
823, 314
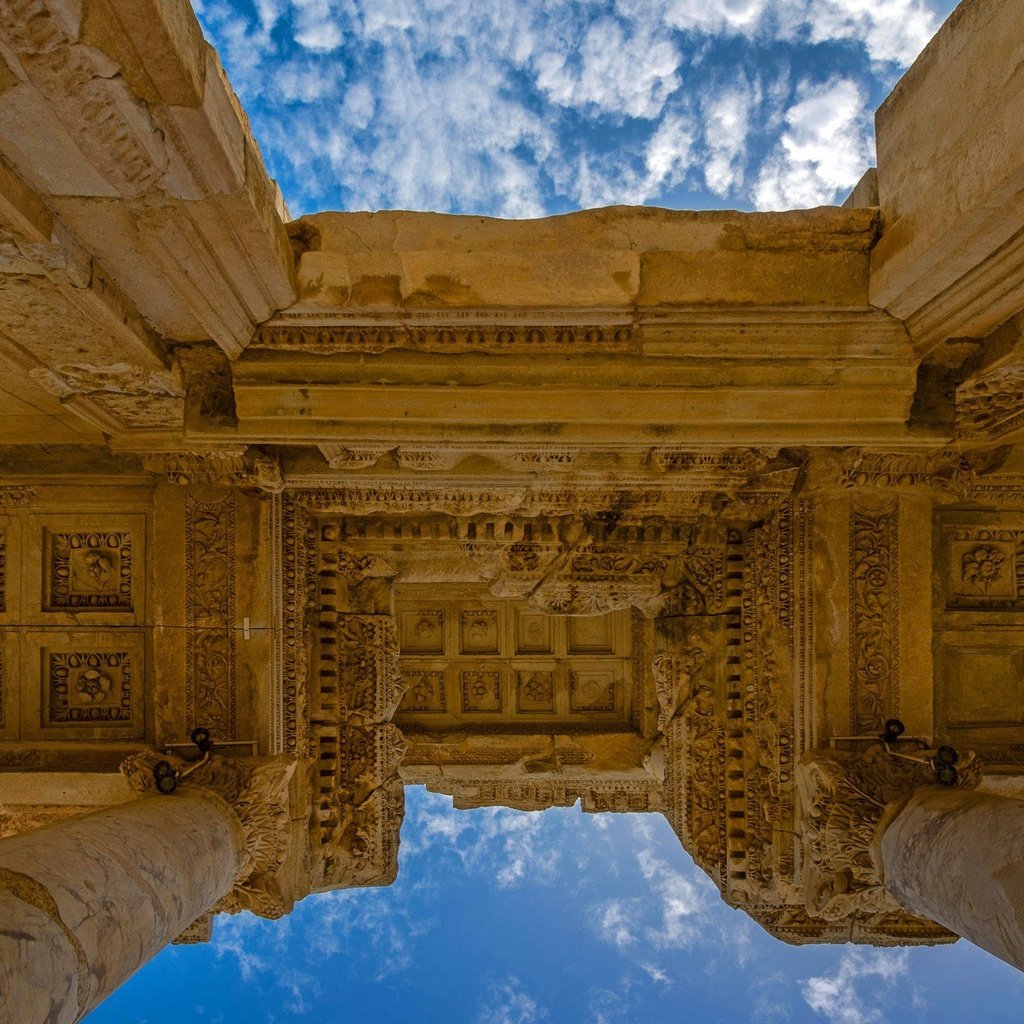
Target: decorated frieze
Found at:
210, 638
991, 406
372, 338
225, 467
874, 616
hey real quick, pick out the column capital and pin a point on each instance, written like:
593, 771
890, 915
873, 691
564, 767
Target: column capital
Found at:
256, 791
846, 800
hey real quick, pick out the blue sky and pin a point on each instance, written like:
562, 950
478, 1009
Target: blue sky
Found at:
526, 108
504, 917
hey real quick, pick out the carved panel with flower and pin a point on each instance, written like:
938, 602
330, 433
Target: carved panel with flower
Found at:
89, 571
984, 567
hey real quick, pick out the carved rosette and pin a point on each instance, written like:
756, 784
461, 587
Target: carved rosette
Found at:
843, 800
256, 790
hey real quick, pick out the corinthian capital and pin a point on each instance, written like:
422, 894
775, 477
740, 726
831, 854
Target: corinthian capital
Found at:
256, 791
846, 800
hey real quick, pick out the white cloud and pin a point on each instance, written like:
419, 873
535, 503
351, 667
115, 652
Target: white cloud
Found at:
895, 30
824, 150
507, 1003
521, 108
726, 124
836, 996
616, 70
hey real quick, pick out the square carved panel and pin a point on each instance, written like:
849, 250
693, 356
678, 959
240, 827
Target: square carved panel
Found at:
592, 690
478, 631
984, 567
89, 687
88, 571
481, 692
535, 691
426, 691
533, 633
591, 634
422, 631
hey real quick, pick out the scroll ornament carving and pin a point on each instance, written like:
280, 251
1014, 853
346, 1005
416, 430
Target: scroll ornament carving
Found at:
993, 405
230, 467
256, 789
874, 609
210, 641
844, 797
15, 495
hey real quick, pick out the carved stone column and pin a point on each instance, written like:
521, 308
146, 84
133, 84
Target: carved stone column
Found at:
86, 902
958, 858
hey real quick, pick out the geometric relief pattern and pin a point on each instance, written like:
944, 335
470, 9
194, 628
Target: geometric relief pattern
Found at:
481, 691
88, 687
535, 692
426, 692
89, 571
592, 690
3, 573
210, 644
874, 615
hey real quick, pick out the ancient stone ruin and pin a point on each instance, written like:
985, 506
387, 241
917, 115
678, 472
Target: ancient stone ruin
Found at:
712, 515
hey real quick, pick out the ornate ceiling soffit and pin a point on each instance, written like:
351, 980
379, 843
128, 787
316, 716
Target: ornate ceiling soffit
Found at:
992, 406
256, 789
843, 797
227, 467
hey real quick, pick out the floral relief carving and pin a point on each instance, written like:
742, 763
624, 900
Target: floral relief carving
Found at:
89, 687
986, 566
983, 567
90, 571
210, 643
874, 617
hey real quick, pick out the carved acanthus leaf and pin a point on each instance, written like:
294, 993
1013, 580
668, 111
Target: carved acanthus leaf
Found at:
256, 789
843, 796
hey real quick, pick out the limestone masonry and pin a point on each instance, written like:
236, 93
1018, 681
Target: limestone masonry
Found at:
715, 515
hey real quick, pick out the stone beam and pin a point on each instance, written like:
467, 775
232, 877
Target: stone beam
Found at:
611, 326
950, 261
119, 115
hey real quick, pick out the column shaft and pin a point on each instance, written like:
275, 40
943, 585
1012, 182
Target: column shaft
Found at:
957, 857
86, 902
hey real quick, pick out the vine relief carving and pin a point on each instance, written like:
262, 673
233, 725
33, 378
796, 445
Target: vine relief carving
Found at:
874, 617
210, 643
